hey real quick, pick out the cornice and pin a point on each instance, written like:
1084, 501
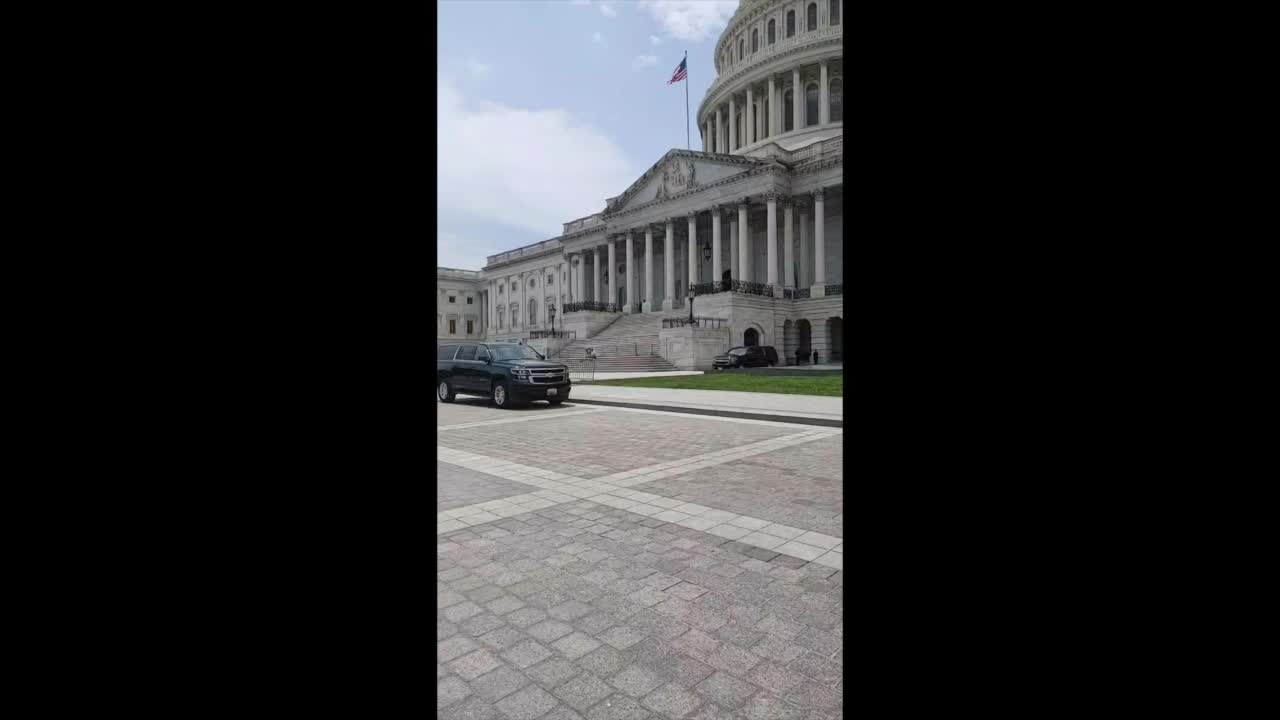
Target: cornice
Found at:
771, 168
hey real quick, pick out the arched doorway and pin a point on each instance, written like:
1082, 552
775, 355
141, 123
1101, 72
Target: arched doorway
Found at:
750, 337
806, 334
835, 331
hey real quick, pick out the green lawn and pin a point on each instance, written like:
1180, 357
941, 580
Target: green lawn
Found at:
823, 385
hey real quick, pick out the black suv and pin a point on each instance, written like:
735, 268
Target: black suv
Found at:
508, 374
752, 356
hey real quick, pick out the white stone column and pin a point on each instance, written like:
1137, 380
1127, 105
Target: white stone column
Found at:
744, 248
749, 125
524, 303
733, 124
541, 296
595, 270
806, 268
824, 109
669, 267
648, 270
629, 292
613, 272
771, 236
706, 137
773, 110
734, 267
716, 270
692, 246
819, 248
719, 132
788, 253
797, 100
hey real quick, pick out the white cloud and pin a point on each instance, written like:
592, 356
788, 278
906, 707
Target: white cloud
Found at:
607, 10
654, 39
644, 61
527, 169
691, 20
479, 69
597, 38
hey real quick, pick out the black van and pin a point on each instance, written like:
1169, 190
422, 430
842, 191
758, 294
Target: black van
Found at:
750, 356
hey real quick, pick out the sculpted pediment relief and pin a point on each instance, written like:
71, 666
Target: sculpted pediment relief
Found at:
678, 172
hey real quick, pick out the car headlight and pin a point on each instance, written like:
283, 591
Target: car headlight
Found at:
521, 373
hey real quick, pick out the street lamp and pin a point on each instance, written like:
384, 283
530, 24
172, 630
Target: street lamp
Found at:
551, 311
706, 258
690, 298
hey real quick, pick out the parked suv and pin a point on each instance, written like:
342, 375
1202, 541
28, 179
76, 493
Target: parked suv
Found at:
741, 357
506, 373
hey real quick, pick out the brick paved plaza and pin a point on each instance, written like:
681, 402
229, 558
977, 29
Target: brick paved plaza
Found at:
607, 563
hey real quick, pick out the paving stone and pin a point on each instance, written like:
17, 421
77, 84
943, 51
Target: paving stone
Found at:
570, 610
603, 661
449, 691
778, 650
504, 605
767, 707
473, 665
499, 683
445, 630
462, 611
636, 680
774, 625
671, 700
594, 624
552, 671
685, 671
618, 707
726, 690
817, 619
485, 594
575, 645
549, 630
472, 709
696, 643
740, 634
526, 616
502, 638
454, 647
814, 697
775, 678
820, 669
583, 691
621, 636
733, 659
527, 703
447, 598
646, 596
686, 591
481, 624
526, 653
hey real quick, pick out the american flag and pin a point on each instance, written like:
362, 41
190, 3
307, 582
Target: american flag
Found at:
680, 72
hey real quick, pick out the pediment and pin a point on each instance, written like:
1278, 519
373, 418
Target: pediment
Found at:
680, 171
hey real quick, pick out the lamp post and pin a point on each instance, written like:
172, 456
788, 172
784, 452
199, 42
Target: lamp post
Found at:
706, 259
690, 304
551, 311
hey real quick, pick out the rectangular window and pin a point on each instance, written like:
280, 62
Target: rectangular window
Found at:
470, 327
453, 327
453, 299
469, 301
445, 352
482, 354
467, 352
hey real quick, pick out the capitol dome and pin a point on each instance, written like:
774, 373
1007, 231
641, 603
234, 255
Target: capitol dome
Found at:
779, 78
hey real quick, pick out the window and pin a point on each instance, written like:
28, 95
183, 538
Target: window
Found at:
833, 13
533, 312
837, 100
737, 124
445, 352
791, 23
742, 45
551, 279
788, 115
500, 314
767, 116
453, 299
812, 17
755, 40
811, 104
501, 288
482, 354
470, 327
533, 283
769, 34
467, 352
469, 301
453, 327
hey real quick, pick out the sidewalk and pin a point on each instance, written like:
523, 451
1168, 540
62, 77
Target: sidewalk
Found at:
803, 409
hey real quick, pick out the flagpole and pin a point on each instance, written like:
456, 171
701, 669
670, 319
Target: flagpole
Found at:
687, 144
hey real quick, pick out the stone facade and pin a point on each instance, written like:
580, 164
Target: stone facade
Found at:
752, 225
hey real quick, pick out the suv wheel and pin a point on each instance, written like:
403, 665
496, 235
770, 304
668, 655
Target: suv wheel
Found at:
501, 395
445, 391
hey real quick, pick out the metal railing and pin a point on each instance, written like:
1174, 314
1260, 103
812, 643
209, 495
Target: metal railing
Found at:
591, 307
796, 293
747, 287
562, 334
580, 369
835, 289
702, 322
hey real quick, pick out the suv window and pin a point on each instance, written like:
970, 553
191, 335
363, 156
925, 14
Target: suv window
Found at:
445, 352
468, 352
482, 353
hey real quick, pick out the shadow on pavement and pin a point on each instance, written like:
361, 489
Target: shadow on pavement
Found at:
537, 406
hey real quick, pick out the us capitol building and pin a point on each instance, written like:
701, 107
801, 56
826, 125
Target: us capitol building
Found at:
749, 228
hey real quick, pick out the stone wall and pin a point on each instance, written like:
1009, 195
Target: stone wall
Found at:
692, 348
585, 323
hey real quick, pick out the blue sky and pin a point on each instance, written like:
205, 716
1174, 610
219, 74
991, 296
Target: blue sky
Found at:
547, 107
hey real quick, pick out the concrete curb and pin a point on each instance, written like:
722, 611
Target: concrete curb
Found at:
794, 419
